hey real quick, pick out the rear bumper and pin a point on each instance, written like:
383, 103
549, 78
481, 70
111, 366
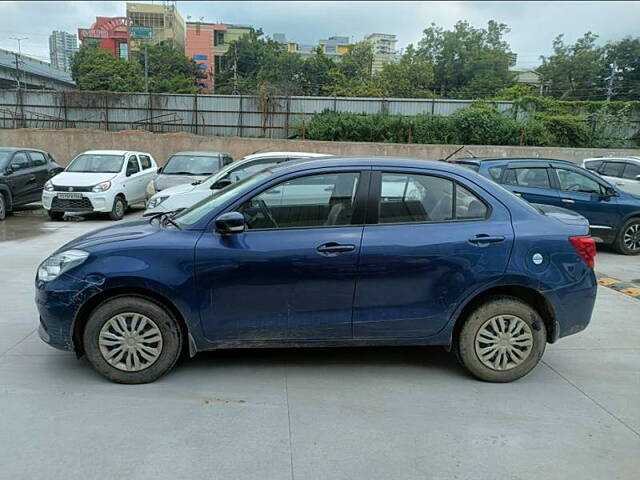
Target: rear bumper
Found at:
573, 305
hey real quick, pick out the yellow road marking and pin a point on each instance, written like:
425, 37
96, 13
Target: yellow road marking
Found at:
633, 291
607, 282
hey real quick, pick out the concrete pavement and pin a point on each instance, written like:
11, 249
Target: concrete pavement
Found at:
399, 413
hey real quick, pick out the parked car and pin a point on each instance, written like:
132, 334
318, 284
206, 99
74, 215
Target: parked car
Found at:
23, 173
100, 181
623, 172
186, 168
450, 258
613, 214
183, 196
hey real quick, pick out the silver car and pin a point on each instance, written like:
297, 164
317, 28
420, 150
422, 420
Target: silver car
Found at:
187, 167
623, 172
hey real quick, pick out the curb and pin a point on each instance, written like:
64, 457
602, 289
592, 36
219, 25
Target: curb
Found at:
630, 289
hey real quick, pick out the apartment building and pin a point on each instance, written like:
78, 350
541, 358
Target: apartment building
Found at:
62, 46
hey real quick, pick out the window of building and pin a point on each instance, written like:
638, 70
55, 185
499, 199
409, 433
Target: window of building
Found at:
218, 38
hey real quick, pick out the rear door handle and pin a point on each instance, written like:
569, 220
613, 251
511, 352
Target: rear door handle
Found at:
483, 240
568, 200
334, 248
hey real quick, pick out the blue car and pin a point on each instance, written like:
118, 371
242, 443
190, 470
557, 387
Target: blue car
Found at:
614, 215
338, 252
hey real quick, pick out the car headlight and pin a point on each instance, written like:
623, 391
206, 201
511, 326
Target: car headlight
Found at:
49, 186
57, 264
154, 202
102, 187
151, 188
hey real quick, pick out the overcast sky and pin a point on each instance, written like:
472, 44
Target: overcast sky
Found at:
533, 25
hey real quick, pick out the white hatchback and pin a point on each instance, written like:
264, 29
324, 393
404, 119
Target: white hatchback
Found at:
100, 181
623, 172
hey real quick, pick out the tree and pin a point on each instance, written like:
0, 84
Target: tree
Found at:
317, 72
468, 61
95, 69
170, 71
625, 56
410, 77
575, 72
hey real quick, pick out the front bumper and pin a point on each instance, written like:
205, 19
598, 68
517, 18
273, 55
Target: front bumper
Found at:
90, 202
59, 303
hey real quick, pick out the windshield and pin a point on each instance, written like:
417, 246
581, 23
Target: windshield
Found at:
197, 212
95, 163
191, 165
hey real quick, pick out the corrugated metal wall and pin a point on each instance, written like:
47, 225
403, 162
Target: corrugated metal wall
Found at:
213, 115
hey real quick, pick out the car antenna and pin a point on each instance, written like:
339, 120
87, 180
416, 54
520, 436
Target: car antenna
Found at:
446, 159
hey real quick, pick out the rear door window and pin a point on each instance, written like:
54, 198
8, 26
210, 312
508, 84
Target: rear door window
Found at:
145, 162
37, 159
613, 169
495, 173
415, 198
594, 165
527, 177
631, 171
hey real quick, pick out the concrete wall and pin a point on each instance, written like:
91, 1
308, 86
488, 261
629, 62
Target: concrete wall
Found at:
65, 144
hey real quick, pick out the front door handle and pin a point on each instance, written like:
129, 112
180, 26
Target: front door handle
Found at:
518, 193
334, 248
32, 178
483, 240
568, 200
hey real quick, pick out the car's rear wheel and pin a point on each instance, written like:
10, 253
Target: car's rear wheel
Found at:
3, 207
55, 215
502, 340
132, 340
628, 240
118, 209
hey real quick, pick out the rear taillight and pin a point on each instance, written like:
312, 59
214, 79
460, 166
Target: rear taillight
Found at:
586, 248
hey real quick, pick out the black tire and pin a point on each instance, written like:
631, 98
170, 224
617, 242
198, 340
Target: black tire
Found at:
628, 240
118, 209
170, 345
3, 207
55, 215
514, 309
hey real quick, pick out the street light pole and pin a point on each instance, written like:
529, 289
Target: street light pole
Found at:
18, 55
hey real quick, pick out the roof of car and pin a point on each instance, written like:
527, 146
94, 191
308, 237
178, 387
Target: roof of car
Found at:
286, 154
503, 159
201, 153
629, 157
113, 152
15, 149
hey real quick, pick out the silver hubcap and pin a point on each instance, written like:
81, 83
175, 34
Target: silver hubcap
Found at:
632, 237
119, 208
503, 342
130, 342
1, 206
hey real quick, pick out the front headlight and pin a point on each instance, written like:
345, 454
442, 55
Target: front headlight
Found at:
57, 264
154, 202
151, 188
101, 187
49, 186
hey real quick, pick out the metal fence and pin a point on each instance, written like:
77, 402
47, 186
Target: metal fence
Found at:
219, 115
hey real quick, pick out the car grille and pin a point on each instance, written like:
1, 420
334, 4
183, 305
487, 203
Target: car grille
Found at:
71, 205
58, 188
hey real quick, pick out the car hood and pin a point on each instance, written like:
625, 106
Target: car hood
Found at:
627, 197
116, 233
163, 182
183, 188
81, 179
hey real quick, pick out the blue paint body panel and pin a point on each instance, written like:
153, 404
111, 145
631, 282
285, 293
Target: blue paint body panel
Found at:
400, 284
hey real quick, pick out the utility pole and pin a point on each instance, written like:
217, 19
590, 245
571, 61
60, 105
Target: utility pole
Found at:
614, 66
235, 70
146, 70
18, 55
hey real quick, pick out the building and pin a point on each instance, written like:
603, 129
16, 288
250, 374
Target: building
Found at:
154, 24
108, 33
528, 76
334, 47
62, 46
206, 43
384, 49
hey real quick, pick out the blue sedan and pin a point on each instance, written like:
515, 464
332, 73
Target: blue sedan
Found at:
338, 252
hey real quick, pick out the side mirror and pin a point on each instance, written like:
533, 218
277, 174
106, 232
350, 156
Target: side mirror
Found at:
159, 169
230, 223
8, 170
220, 184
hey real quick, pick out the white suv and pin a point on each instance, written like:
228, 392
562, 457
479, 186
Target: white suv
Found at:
100, 181
621, 171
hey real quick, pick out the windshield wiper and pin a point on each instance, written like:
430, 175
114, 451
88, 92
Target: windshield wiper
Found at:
178, 173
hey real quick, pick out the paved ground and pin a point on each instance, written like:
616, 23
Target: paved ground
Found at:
313, 414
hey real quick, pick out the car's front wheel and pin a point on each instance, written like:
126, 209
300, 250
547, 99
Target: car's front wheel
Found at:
628, 241
502, 340
118, 209
3, 207
132, 340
